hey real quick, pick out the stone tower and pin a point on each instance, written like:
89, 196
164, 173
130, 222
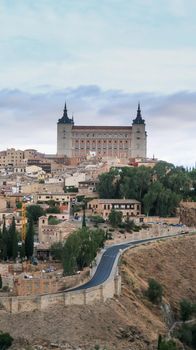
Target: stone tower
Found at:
64, 135
139, 136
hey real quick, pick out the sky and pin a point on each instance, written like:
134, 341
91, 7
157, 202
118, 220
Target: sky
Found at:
102, 57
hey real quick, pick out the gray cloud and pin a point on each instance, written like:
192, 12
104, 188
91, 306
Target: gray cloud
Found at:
29, 120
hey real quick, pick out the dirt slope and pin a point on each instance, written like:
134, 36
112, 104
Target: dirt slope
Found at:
129, 322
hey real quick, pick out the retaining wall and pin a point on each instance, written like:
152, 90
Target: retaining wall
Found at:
82, 297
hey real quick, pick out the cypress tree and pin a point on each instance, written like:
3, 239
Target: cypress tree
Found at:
84, 217
29, 241
4, 240
1, 245
13, 240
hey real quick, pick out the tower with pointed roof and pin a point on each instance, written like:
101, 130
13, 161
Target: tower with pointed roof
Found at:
64, 134
139, 136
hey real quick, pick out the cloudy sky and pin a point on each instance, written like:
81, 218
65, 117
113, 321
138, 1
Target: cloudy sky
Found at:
102, 57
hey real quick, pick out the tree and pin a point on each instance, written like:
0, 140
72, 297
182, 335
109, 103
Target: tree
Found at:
1, 245
108, 185
53, 221
81, 248
11, 240
4, 241
167, 345
115, 218
14, 239
56, 250
1, 282
155, 291
84, 217
53, 210
34, 212
187, 335
29, 240
186, 309
70, 253
5, 341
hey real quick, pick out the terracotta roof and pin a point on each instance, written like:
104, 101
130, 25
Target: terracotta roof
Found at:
118, 201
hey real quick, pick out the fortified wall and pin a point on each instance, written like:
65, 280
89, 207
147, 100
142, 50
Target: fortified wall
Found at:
82, 297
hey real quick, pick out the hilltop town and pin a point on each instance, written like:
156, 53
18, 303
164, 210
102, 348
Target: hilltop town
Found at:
59, 213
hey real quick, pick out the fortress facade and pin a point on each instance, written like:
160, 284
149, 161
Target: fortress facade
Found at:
103, 141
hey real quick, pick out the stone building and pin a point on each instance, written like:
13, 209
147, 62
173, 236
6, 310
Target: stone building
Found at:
103, 141
129, 207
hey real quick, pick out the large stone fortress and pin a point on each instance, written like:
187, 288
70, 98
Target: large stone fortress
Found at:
104, 141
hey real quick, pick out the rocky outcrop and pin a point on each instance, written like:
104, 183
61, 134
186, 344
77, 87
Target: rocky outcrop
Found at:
188, 213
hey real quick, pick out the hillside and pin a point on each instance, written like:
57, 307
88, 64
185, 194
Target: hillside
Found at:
130, 322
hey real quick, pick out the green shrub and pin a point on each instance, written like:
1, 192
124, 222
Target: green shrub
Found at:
187, 335
5, 341
186, 309
97, 219
155, 291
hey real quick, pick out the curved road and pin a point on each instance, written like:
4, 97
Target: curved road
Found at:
107, 261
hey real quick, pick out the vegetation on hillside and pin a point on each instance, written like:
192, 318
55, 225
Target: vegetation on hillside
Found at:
80, 249
159, 189
5, 340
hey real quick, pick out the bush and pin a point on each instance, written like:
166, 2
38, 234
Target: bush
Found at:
186, 309
5, 341
97, 219
187, 335
115, 218
167, 345
53, 221
56, 250
155, 291
53, 210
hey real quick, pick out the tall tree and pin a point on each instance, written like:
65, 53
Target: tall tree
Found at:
29, 240
1, 245
13, 239
4, 240
115, 217
34, 212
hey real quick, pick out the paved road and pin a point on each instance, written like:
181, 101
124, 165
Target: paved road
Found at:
107, 261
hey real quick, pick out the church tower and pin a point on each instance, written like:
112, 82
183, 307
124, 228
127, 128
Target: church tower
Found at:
139, 136
64, 135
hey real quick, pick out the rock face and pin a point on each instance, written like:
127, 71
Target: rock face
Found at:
188, 213
129, 322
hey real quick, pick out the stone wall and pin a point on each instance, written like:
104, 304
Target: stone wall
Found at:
40, 302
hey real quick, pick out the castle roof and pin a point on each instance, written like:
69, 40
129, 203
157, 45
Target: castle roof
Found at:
65, 119
138, 119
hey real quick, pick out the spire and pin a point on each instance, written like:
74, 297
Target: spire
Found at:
138, 119
65, 112
65, 119
139, 115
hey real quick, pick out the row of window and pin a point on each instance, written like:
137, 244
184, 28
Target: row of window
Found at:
99, 141
115, 134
